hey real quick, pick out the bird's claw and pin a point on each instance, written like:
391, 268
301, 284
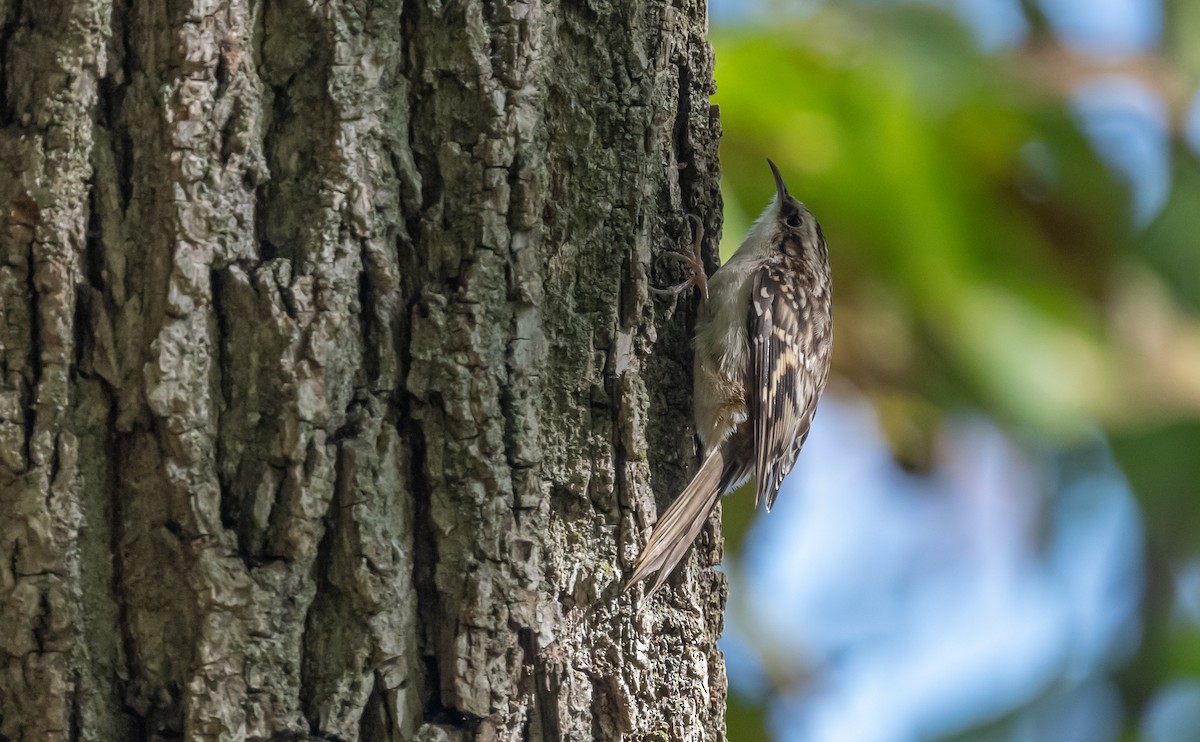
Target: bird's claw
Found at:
694, 260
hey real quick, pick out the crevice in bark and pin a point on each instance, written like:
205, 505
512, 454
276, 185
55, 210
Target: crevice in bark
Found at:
41, 625
507, 396
320, 568
104, 617
6, 34
75, 708
113, 89
269, 196
620, 455
432, 186
369, 325
104, 602
220, 342
300, 131
542, 688
684, 152
116, 535
29, 387
262, 187
110, 119
377, 724
229, 130
88, 295
429, 609
223, 386
93, 254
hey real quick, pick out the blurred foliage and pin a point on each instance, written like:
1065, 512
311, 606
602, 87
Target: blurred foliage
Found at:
984, 255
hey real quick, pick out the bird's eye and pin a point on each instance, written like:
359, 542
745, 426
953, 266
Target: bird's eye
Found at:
793, 221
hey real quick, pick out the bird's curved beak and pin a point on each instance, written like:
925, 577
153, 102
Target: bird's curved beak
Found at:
780, 186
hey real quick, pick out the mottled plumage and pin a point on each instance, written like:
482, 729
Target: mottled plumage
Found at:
763, 342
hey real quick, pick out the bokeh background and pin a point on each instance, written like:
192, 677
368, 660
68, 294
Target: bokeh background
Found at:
993, 532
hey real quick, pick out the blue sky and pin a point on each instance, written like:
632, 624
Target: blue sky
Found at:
919, 606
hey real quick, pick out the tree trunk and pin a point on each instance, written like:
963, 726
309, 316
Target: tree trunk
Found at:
334, 401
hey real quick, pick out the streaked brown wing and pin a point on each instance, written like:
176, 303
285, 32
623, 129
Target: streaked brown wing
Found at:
785, 379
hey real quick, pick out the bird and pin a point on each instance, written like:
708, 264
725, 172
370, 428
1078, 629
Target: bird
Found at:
763, 341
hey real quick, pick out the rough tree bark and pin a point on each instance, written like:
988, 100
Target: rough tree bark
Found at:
334, 403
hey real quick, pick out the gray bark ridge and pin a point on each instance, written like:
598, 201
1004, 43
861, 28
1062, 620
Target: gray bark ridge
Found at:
335, 403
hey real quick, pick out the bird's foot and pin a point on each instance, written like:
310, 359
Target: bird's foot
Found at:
694, 261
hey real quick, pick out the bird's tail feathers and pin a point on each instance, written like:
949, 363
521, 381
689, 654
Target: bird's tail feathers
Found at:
681, 523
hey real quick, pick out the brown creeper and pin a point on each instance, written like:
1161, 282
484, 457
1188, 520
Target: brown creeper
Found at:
763, 341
